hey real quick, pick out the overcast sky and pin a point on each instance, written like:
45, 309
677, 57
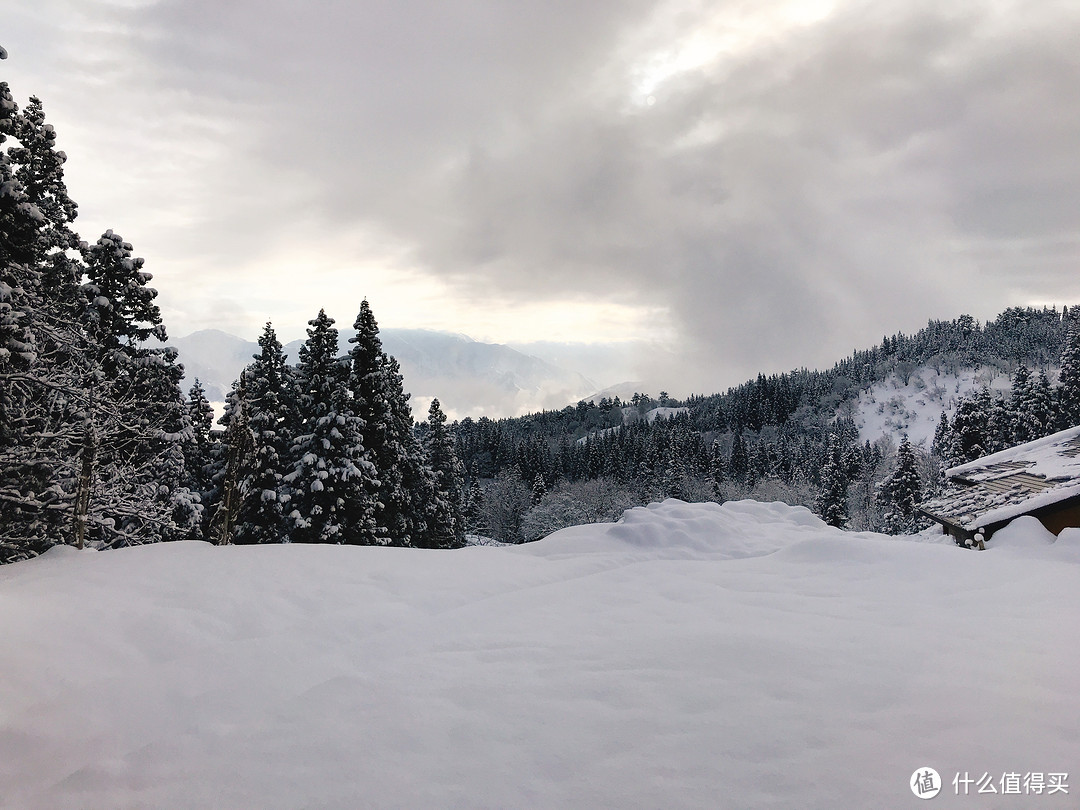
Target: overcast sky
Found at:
762, 185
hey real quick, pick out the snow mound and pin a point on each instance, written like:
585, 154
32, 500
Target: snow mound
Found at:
678, 530
1023, 533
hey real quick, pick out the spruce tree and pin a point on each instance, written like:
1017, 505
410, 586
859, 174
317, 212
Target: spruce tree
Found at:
739, 463
1020, 406
333, 479
264, 496
42, 347
940, 446
444, 503
832, 496
968, 436
1000, 425
198, 454
379, 399
139, 411
1068, 391
716, 471
1043, 408
539, 488
901, 492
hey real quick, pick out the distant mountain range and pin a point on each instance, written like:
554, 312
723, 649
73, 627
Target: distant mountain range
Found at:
470, 378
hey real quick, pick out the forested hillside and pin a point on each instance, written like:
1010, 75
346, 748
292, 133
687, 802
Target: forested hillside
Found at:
783, 437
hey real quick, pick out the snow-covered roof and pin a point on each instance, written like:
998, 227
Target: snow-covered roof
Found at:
1010, 483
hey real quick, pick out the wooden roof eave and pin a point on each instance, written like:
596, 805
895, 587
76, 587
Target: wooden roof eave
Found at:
944, 521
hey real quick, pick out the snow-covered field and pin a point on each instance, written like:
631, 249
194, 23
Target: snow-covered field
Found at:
741, 656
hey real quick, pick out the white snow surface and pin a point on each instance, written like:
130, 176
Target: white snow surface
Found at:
704, 656
663, 413
896, 408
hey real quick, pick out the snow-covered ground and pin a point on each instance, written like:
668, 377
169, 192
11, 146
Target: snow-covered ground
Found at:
743, 656
913, 406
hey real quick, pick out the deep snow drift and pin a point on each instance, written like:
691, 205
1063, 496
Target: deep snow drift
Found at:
687, 656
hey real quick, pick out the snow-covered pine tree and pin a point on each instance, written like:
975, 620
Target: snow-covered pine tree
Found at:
901, 492
1043, 408
472, 506
198, 454
672, 484
39, 169
1000, 424
40, 346
539, 488
1023, 430
940, 445
832, 503
232, 458
716, 470
1068, 390
968, 435
139, 412
333, 480
444, 503
739, 462
379, 399
271, 417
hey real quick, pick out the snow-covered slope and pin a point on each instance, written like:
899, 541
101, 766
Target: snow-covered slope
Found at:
913, 406
691, 656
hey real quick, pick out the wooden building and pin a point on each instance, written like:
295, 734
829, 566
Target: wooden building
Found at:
1039, 478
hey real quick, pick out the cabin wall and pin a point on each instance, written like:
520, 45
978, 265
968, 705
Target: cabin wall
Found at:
1065, 518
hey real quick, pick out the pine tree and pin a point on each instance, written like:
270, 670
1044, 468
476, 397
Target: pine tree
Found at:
940, 445
968, 436
472, 507
1000, 425
333, 478
140, 414
42, 359
539, 489
1023, 428
716, 471
671, 483
198, 455
379, 399
739, 463
444, 503
92, 421
1043, 411
236, 451
1068, 391
832, 495
268, 386
901, 492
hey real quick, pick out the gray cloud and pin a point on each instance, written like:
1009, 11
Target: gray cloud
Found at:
786, 202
